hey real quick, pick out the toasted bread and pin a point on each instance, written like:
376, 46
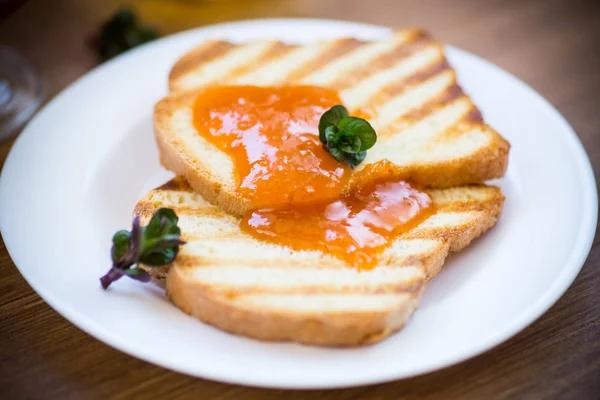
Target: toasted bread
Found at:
427, 127
229, 279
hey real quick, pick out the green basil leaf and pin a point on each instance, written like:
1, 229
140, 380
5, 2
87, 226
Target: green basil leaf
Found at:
348, 143
159, 258
360, 128
161, 238
331, 117
137, 274
121, 243
337, 154
330, 134
163, 222
122, 32
153, 245
163, 242
354, 159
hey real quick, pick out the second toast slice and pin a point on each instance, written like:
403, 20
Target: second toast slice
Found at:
242, 285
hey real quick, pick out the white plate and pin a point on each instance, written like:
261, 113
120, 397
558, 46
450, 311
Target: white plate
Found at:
76, 171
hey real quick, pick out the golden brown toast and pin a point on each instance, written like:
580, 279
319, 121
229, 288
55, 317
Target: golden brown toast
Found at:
426, 125
229, 279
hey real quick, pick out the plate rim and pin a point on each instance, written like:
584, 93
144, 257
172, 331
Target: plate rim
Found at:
570, 270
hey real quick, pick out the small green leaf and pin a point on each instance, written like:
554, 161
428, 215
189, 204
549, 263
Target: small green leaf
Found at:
159, 258
330, 134
337, 154
345, 137
354, 159
153, 245
331, 117
161, 238
348, 143
164, 242
121, 33
137, 274
164, 221
121, 243
361, 129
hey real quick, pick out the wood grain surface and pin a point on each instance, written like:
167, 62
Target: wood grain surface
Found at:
552, 45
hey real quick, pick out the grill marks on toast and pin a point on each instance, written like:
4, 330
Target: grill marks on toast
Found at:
212, 234
411, 44
450, 93
296, 60
351, 303
327, 74
415, 40
337, 50
201, 55
400, 86
275, 51
359, 92
241, 280
202, 67
403, 79
413, 97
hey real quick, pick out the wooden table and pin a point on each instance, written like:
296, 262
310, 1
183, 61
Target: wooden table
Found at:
552, 45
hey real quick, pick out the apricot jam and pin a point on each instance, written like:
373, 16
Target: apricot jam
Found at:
299, 192
272, 136
356, 228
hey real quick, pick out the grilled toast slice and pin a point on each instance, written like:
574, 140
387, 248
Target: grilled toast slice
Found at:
228, 279
427, 127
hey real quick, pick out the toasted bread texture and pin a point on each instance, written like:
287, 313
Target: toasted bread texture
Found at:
228, 279
427, 126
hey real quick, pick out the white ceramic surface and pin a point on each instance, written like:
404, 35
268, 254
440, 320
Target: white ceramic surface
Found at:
75, 173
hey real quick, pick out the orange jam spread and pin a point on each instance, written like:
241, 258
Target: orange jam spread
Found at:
365, 113
272, 136
355, 228
298, 191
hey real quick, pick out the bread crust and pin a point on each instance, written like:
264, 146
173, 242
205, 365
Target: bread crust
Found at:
174, 157
335, 329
